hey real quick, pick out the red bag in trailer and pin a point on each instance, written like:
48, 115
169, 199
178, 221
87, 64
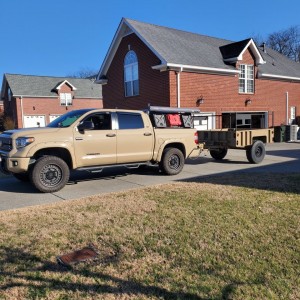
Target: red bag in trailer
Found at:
174, 120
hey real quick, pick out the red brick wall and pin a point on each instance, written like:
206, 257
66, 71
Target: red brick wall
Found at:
45, 106
153, 84
220, 93
51, 106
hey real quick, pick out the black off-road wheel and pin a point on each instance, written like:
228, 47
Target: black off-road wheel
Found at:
218, 154
22, 176
50, 174
256, 153
172, 161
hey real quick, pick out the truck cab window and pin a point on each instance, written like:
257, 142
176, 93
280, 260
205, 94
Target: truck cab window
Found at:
100, 121
130, 121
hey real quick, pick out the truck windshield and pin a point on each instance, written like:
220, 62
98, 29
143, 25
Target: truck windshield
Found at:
67, 119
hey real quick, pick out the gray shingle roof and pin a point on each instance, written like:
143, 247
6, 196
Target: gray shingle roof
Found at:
181, 47
29, 85
278, 64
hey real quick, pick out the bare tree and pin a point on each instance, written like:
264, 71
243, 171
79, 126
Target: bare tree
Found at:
286, 42
84, 73
258, 39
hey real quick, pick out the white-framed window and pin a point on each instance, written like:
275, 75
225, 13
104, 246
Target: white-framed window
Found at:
9, 94
131, 74
65, 99
246, 79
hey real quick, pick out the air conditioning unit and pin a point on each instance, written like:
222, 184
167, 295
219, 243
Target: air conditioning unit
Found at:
293, 133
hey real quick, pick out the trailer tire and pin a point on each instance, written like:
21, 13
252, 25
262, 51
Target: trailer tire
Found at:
50, 174
218, 154
172, 161
256, 153
24, 177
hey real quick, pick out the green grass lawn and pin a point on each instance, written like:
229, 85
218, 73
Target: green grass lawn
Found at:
219, 238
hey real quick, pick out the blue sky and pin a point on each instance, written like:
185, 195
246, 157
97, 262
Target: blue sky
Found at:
61, 37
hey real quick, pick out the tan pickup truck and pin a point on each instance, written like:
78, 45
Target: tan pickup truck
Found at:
90, 140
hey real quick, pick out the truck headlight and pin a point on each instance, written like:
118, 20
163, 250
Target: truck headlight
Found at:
22, 142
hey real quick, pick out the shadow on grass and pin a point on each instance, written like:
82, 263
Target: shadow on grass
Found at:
279, 176
276, 182
29, 271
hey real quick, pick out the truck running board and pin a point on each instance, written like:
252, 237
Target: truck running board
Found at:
98, 169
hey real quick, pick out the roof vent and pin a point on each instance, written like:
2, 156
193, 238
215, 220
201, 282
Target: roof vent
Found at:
263, 45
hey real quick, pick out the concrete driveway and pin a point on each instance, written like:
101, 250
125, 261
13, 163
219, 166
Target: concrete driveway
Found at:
280, 158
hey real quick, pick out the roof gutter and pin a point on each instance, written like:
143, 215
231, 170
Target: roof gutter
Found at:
278, 77
189, 68
55, 97
101, 81
34, 96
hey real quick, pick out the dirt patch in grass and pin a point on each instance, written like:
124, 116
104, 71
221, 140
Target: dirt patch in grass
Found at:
216, 239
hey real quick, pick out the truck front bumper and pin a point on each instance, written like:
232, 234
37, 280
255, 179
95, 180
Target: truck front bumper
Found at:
13, 164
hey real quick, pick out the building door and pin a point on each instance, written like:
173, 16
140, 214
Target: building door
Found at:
53, 117
245, 120
34, 121
205, 121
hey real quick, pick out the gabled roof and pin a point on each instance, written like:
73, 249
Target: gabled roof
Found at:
233, 52
66, 82
46, 86
183, 50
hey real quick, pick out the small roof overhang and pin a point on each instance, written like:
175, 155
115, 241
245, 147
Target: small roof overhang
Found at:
197, 69
251, 45
66, 82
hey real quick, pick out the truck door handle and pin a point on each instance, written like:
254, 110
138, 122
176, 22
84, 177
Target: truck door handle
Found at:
111, 135
78, 139
147, 133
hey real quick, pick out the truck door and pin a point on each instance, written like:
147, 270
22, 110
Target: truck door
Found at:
97, 144
134, 140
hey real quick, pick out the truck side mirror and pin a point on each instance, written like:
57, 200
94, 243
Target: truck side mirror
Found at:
85, 125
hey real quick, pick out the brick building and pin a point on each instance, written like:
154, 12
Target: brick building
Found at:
247, 85
32, 101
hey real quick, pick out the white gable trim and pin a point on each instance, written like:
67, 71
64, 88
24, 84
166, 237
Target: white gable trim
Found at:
68, 83
198, 69
258, 58
124, 29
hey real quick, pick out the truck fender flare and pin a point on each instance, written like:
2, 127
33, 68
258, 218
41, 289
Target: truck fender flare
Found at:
170, 144
62, 145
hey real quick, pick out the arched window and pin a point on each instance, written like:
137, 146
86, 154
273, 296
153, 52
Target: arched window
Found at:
131, 74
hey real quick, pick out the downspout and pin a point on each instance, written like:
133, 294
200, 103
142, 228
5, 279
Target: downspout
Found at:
22, 112
178, 86
287, 108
